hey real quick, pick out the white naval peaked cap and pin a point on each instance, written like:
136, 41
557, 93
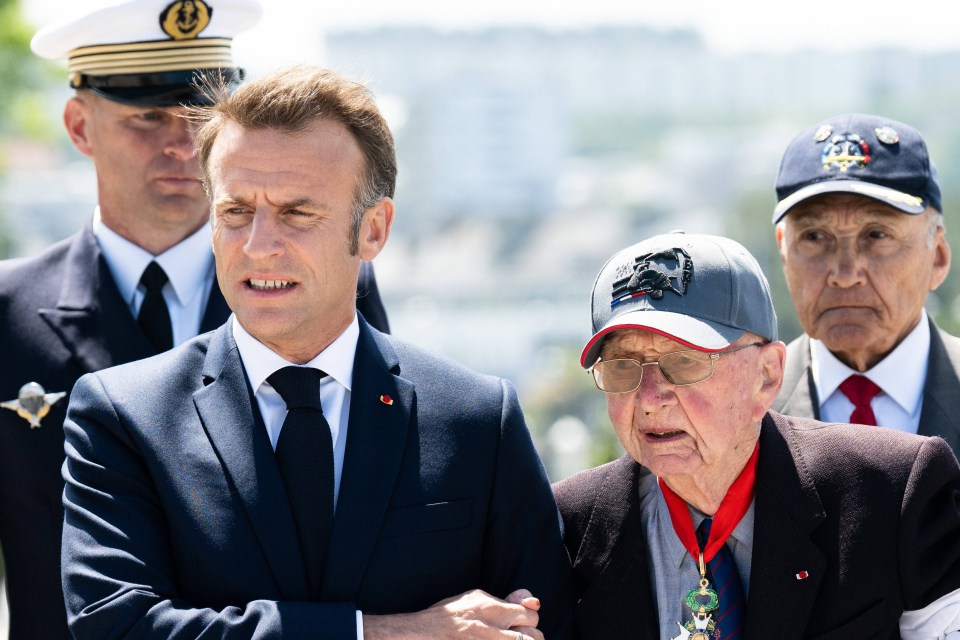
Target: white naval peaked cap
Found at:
149, 52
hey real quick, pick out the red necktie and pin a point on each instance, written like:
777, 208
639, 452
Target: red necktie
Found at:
860, 390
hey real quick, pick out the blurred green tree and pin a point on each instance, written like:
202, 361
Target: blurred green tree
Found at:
22, 82
559, 388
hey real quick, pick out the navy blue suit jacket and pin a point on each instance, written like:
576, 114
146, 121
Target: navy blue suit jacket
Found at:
177, 524
63, 317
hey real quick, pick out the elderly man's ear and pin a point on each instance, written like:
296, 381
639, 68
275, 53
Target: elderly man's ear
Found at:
941, 259
772, 358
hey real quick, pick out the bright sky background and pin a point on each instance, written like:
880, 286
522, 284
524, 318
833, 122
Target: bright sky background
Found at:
728, 26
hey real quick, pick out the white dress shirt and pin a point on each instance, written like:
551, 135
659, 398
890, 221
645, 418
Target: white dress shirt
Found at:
901, 375
188, 265
260, 362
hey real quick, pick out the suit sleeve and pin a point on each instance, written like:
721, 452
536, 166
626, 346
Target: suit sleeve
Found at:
929, 538
117, 565
524, 548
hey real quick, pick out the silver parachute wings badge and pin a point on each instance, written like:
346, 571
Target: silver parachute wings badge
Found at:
33, 403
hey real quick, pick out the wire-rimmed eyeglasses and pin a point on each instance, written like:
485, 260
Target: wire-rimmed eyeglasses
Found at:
680, 368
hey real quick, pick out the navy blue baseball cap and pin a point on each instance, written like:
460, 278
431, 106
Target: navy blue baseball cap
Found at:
861, 154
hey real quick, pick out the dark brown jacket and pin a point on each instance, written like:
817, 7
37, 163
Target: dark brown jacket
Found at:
871, 515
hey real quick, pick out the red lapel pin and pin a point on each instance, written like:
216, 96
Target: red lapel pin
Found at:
387, 400
803, 575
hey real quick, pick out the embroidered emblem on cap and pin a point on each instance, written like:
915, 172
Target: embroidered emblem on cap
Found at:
845, 151
823, 132
652, 274
887, 135
33, 403
185, 19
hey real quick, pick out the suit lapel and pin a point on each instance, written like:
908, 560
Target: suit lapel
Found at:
940, 403
91, 319
225, 406
787, 511
798, 395
620, 594
376, 438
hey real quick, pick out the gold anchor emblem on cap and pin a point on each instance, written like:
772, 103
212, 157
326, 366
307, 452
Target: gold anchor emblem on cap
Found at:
33, 403
185, 19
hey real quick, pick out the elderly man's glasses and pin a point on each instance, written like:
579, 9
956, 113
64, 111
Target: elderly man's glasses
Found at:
680, 368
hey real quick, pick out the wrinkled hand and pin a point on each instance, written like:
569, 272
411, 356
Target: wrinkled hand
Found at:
471, 615
525, 599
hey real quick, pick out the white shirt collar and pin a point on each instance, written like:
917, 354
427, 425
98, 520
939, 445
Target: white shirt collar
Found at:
187, 264
901, 374
260, 362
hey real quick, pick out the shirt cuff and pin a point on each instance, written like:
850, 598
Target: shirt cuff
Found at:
360, 625
940, 619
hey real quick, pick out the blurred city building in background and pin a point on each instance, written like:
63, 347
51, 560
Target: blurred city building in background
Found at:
528, 156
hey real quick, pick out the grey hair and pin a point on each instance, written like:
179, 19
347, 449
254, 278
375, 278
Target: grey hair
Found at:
936, 223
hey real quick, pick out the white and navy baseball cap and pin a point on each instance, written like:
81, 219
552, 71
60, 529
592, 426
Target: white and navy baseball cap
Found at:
863, 154
150, 52
702, 291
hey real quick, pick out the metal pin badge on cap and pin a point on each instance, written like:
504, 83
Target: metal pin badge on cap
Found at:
887, 135
823, 132
33, 403
845, 151
652, 274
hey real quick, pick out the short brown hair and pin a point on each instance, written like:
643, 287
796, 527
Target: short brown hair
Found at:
292, 100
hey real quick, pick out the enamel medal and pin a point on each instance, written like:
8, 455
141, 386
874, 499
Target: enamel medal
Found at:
702, 601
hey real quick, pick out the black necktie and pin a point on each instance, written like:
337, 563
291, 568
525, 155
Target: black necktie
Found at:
305, 456
154, 317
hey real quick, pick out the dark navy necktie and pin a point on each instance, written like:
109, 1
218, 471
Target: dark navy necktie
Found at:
725, 580
154, 317
305, 457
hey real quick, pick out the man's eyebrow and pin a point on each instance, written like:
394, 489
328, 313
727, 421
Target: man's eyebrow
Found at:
805, 221
299, 202
287, 204
808, 215
227, 200
284, 204
610, 353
